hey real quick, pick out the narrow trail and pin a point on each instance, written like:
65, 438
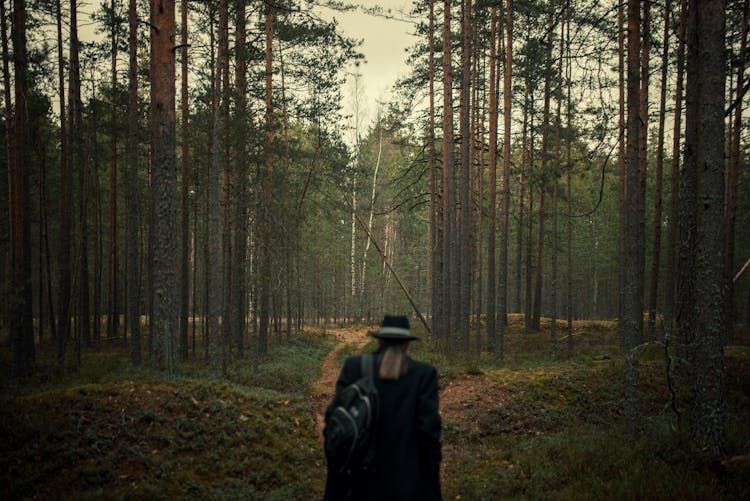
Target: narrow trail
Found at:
323, 389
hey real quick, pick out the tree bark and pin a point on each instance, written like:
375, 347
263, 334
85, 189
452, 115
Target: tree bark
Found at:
214, 196
528, 305
492, 335
656, 261
464, 266
22, 334
672, 230
569, 192
730, 213
643, 138
113, 313
507, 102
163, 327
226, 191
631, 319
537, 312
239, 295
449, 192
436, 235
554, 293
265, 271
132, 189
702, 319
185, 161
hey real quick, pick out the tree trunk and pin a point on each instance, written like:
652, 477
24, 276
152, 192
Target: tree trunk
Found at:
528, 307
185, 215
672, 229
239, 295
265, 271
226, 192
537, 312
702, 320
569, 192
22, 334
64, 287
78, 161
492, 336
643, 138
132, 189
621, 30
655, 265
521, 192
507, 101
214, 196
113, 314
555, 189
448, 185
64, 161
436, 235
464, 265
164, 184
730, 214
631, 319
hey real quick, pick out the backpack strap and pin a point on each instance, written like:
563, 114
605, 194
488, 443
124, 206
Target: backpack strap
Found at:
367, 367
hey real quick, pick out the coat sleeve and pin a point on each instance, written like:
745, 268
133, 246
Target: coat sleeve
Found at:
428, 431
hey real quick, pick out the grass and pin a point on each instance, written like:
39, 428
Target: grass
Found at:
532, 427
110, 432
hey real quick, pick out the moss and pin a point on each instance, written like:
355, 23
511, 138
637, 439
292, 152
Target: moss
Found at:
184, 437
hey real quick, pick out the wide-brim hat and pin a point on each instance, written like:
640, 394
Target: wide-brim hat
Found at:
395, 328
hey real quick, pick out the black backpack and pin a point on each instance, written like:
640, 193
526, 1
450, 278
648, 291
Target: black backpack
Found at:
350, 428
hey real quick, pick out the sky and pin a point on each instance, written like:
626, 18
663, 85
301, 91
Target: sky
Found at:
384, 44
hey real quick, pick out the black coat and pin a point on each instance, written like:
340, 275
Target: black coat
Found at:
407, 451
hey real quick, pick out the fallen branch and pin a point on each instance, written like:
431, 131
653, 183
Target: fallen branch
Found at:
742, 270
388, 264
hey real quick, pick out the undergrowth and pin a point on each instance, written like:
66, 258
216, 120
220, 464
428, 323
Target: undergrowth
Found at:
530, 427
107, 431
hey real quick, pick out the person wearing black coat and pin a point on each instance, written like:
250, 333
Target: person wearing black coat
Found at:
407, 451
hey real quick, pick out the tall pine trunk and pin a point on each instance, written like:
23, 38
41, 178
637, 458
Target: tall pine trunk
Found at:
213, 221
185, 161
730, 213
655, 265
464, 266
436, 231
631, 319
702, 319
133, 197
492, 335
22, 334
239, 295
113, 313
448, 185
226, 192
507, 102
672, 230
265, 265
163, 327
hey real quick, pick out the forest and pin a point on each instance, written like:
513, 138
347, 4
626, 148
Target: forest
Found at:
201, 219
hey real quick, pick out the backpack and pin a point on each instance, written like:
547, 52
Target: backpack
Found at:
350, 428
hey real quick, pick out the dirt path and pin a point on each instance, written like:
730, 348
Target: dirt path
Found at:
325, 386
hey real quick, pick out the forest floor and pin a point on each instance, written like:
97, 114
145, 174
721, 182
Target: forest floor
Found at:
535, 427
324, 387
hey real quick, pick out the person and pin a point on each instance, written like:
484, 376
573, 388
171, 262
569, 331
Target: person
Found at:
407, 451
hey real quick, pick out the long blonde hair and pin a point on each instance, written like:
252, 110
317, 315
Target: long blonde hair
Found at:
393, 360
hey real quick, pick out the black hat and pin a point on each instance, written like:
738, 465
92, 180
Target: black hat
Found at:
395, 328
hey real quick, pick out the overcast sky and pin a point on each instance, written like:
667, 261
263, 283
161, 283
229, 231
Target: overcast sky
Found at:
384, 44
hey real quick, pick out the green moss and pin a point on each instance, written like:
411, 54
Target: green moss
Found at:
184, 437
